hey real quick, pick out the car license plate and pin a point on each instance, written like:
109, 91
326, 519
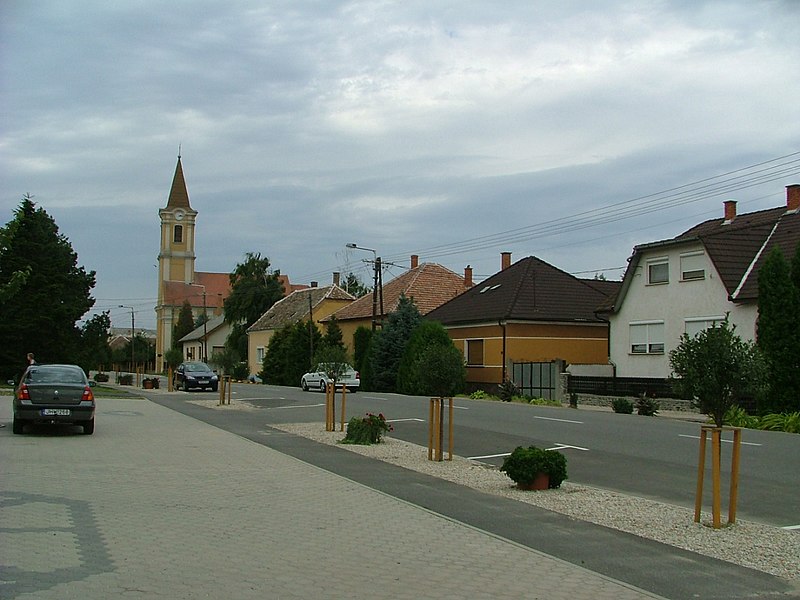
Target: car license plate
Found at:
55, 412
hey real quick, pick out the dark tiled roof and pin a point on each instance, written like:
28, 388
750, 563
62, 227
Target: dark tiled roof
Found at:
429, 284
199, 332
528, 290
294, 307
737, 248
178, 196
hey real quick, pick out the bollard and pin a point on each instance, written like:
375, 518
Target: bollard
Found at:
436, 417
225, 390
330, 411
716, 452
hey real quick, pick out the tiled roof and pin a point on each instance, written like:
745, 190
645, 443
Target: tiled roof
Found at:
737, 248
528, 290
199, 332
429, 284
295, 306
217, 287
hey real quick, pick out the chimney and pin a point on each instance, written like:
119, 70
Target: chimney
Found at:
505, 260
414, 261
313, 284
468, 276
730, 210
336, 276
793, 197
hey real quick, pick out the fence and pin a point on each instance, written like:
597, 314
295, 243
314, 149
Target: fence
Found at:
621, 386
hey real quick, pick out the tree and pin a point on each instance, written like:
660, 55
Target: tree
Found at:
778, 331
440, 372
361, 341
94, 342
714, 368
426, 335
289, 354
353, 285
185, 324
388, 345
333, 337
254, 289
45, 291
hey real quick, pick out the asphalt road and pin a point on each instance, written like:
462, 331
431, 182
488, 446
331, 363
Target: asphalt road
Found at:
653, 457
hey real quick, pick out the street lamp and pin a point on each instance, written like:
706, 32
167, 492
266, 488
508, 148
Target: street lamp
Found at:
133, 360
377, 283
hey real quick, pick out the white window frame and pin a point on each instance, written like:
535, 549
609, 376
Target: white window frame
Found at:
260, 354
657, 262
694, 325
693, 266
646, 337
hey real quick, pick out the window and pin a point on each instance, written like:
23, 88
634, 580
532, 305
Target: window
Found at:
177, 235
693, 266
475, 353
658, 271
696, 325
647, 338
260, 354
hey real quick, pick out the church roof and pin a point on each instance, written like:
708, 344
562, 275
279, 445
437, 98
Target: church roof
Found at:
217, 287
178, 195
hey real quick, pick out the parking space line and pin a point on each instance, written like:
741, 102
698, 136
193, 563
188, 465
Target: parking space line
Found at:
401, 420
791, 527
503, 454
559, 420
697, 437
295, 405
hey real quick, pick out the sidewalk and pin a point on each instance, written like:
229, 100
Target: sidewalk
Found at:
157, 504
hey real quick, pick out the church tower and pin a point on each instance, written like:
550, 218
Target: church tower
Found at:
176, 259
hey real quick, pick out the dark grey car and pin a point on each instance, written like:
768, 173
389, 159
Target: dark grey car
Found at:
195, 374
54, 394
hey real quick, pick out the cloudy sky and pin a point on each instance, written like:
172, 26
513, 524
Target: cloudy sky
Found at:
454, 130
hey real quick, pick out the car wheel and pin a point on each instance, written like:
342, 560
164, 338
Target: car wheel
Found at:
304, 385
18, 425
214, 388
352, 390
88, 427
322, 386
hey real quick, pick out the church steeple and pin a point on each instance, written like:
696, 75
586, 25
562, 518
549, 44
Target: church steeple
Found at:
178, 195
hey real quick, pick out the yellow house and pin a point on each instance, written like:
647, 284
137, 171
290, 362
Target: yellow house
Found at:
428, 284
319, 302
522, 321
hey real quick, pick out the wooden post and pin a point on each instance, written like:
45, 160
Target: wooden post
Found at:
716, 458
701, 471
430, 430
330, 417
450, 432
734, 493
169, 379
344, 402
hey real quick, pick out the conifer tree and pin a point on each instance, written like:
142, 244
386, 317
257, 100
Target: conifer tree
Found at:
389, 344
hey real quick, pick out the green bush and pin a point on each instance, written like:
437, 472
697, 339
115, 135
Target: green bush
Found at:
542, 401
366, 430
647, 406
524, 464
788, 422
480, 395
126, 379
507, 390
101, 377
736, 416
622, 405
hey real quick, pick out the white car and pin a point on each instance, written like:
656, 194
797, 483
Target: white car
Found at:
318, 379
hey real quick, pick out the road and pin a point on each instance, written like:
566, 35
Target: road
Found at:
652, 457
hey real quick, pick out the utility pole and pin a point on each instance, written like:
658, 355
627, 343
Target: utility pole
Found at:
377, 284
133, 356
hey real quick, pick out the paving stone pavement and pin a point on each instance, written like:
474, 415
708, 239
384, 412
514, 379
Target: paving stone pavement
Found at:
156, 504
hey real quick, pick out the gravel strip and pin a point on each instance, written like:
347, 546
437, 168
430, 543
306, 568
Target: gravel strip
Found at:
769, 549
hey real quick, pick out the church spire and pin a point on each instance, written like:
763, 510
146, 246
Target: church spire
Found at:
178, 195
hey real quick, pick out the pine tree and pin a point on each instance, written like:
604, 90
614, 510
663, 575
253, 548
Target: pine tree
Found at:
185, 324
778, 332
389, 344
50, 291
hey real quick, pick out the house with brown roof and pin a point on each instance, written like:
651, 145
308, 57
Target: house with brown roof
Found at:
318, 302
521, 321
687, 283
429, 284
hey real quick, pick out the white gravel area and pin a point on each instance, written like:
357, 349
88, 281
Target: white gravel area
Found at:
769, 549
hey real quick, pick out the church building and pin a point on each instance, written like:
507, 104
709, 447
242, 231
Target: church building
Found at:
177, 279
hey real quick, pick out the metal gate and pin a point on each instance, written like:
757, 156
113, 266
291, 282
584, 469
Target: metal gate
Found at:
536, 379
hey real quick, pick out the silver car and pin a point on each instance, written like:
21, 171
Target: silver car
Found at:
55, 394
318, 379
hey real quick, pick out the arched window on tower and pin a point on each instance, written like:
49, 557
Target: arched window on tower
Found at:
177, 235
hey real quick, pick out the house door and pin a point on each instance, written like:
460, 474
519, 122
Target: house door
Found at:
536, 379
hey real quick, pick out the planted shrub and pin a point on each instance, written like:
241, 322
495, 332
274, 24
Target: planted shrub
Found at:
479, 395
622, 405
126, 379
788, 422
647, 406
101, 377
366, 430
736, 416
507, 390
524, 464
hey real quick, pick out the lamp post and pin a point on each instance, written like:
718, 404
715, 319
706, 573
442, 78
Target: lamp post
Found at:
377, 285
133, 359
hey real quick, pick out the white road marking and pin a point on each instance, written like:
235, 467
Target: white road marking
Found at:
556, 447
560, 420
697, 437
789, 527
409, 419
296, 406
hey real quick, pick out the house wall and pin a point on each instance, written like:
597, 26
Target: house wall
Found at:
677, 304
530, 342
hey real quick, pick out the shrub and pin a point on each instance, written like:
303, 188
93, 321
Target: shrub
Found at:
507, 390
788, 422
622, 405
542, 402
126, 379
240, 371
101, 377
480, 395
524, 464
366, 430
736, 416
647, 406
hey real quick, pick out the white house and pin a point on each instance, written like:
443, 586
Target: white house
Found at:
684, 284
204, 341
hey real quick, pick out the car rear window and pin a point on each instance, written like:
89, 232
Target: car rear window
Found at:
54, 375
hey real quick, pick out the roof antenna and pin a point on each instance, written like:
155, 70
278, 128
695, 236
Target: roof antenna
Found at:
179, 151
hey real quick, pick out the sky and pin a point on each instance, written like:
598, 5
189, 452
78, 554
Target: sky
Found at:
454, 130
